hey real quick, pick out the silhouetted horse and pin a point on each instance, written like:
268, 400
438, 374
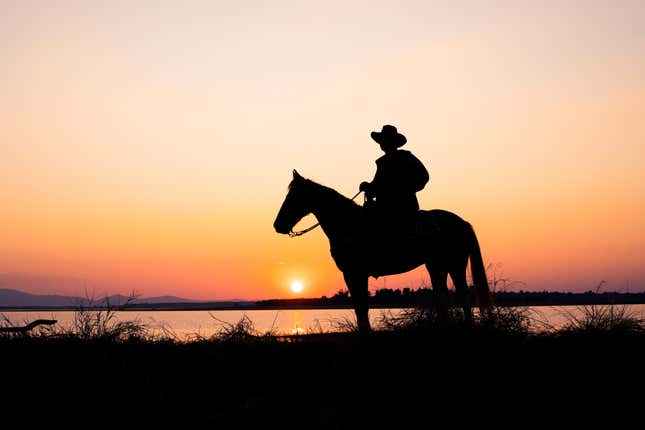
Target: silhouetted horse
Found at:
441, 240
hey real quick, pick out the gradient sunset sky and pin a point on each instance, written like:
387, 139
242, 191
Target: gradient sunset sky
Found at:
148, 144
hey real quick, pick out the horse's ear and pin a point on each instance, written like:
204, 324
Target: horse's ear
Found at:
296, 175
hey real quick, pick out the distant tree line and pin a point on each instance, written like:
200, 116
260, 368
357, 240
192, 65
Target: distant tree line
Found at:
406, 297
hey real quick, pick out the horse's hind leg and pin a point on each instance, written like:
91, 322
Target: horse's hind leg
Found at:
439, 279
461, 286
357, 286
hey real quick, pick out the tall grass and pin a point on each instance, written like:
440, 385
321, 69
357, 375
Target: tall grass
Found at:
501, 319
417, 318
242, 331
603, 318
98, 320
342, 325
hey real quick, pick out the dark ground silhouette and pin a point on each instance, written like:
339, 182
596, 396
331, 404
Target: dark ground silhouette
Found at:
445, 379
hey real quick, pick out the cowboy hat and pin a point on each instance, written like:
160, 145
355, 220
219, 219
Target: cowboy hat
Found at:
388, 134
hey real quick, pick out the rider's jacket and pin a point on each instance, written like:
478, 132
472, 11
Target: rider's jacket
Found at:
399, 176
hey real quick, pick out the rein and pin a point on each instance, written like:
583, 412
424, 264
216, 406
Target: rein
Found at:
308, 229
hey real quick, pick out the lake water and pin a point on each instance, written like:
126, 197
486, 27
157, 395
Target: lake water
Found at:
187, 324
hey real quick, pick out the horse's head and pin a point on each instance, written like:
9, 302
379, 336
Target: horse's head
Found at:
295, 206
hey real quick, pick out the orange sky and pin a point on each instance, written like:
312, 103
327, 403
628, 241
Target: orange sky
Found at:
150, 146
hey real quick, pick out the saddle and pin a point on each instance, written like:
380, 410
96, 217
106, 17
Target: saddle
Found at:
394, 227
395, 248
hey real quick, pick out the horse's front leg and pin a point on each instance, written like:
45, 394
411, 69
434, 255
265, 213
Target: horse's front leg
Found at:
357, 286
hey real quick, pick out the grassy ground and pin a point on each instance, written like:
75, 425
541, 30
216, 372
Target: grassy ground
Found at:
415, 373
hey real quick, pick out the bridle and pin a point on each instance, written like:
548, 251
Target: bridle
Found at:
308, 229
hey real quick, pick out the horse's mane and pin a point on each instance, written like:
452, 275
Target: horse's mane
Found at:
323, 193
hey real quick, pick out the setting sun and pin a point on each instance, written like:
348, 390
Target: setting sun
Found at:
296, 286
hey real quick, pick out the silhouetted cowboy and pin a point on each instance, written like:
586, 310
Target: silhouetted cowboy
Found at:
399, 176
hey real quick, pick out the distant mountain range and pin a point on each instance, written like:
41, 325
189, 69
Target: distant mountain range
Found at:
13, 298
386, 298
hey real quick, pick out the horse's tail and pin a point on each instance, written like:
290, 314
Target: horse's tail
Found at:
478, 272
